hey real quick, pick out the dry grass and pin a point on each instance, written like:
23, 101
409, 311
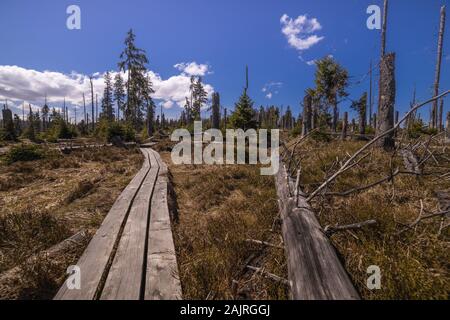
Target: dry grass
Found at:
45, 201
219, 207
414, 264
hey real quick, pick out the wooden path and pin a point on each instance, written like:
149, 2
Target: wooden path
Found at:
132, 254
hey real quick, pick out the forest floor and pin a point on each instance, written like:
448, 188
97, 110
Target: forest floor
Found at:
45, 201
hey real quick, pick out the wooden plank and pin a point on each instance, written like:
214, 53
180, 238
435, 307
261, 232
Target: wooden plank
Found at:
96, 258
162, 279
314, 269
125, 277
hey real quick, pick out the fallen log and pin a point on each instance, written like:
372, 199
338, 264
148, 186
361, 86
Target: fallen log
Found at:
314, 269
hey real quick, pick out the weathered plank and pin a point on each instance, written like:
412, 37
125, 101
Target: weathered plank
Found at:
314, 269
125, 277
162, 279
96, 258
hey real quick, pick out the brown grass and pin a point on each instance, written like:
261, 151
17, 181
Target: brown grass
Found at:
415, 264
45, 201
219, 207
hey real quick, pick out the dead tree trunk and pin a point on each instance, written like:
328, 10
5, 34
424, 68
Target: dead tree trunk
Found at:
225, 118
440, 118
314, 269
383, 50
383, 29
362, 114
448, 125
84, 109
387, 101
344, 126
335, 115
374, 117
92, 103
370, 95
215, 117
438, 68
307, 100
314, 119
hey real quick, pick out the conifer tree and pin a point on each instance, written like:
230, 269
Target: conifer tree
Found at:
107, 101
134, 61
331, 82
119, 94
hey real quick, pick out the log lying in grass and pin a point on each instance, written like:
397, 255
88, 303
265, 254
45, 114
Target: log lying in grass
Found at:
314, 269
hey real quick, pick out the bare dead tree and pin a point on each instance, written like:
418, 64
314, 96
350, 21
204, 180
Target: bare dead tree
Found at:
344, 126
383, 29
306, 126
387, 101
441, 114
448, 125
84, 109
438, 67
92, 103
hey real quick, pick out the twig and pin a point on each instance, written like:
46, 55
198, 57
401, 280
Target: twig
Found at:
330, 230
264, 243
269, 275
348, 192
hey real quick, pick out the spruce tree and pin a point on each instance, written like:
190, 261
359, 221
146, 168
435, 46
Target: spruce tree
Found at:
134, 60
331, 83
119, 93
107, 101
243, 116
199, 98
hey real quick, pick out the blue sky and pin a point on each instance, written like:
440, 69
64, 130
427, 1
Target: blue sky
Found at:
223, 35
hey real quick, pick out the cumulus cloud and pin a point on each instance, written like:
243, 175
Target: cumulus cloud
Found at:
271, 88
299, 32
20, 85
193, 68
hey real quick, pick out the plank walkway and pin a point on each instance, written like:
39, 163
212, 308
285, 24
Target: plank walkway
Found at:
132, 254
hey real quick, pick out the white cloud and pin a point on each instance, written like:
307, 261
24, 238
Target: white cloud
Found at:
299, 32
311, 62
193, 68
20, 85
271, 88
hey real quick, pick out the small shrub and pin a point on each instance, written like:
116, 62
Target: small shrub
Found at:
108, 130
24, 153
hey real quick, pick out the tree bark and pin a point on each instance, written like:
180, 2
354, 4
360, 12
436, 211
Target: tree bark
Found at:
387, 101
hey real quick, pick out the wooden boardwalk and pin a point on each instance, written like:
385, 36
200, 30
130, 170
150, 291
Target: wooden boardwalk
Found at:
132, 254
